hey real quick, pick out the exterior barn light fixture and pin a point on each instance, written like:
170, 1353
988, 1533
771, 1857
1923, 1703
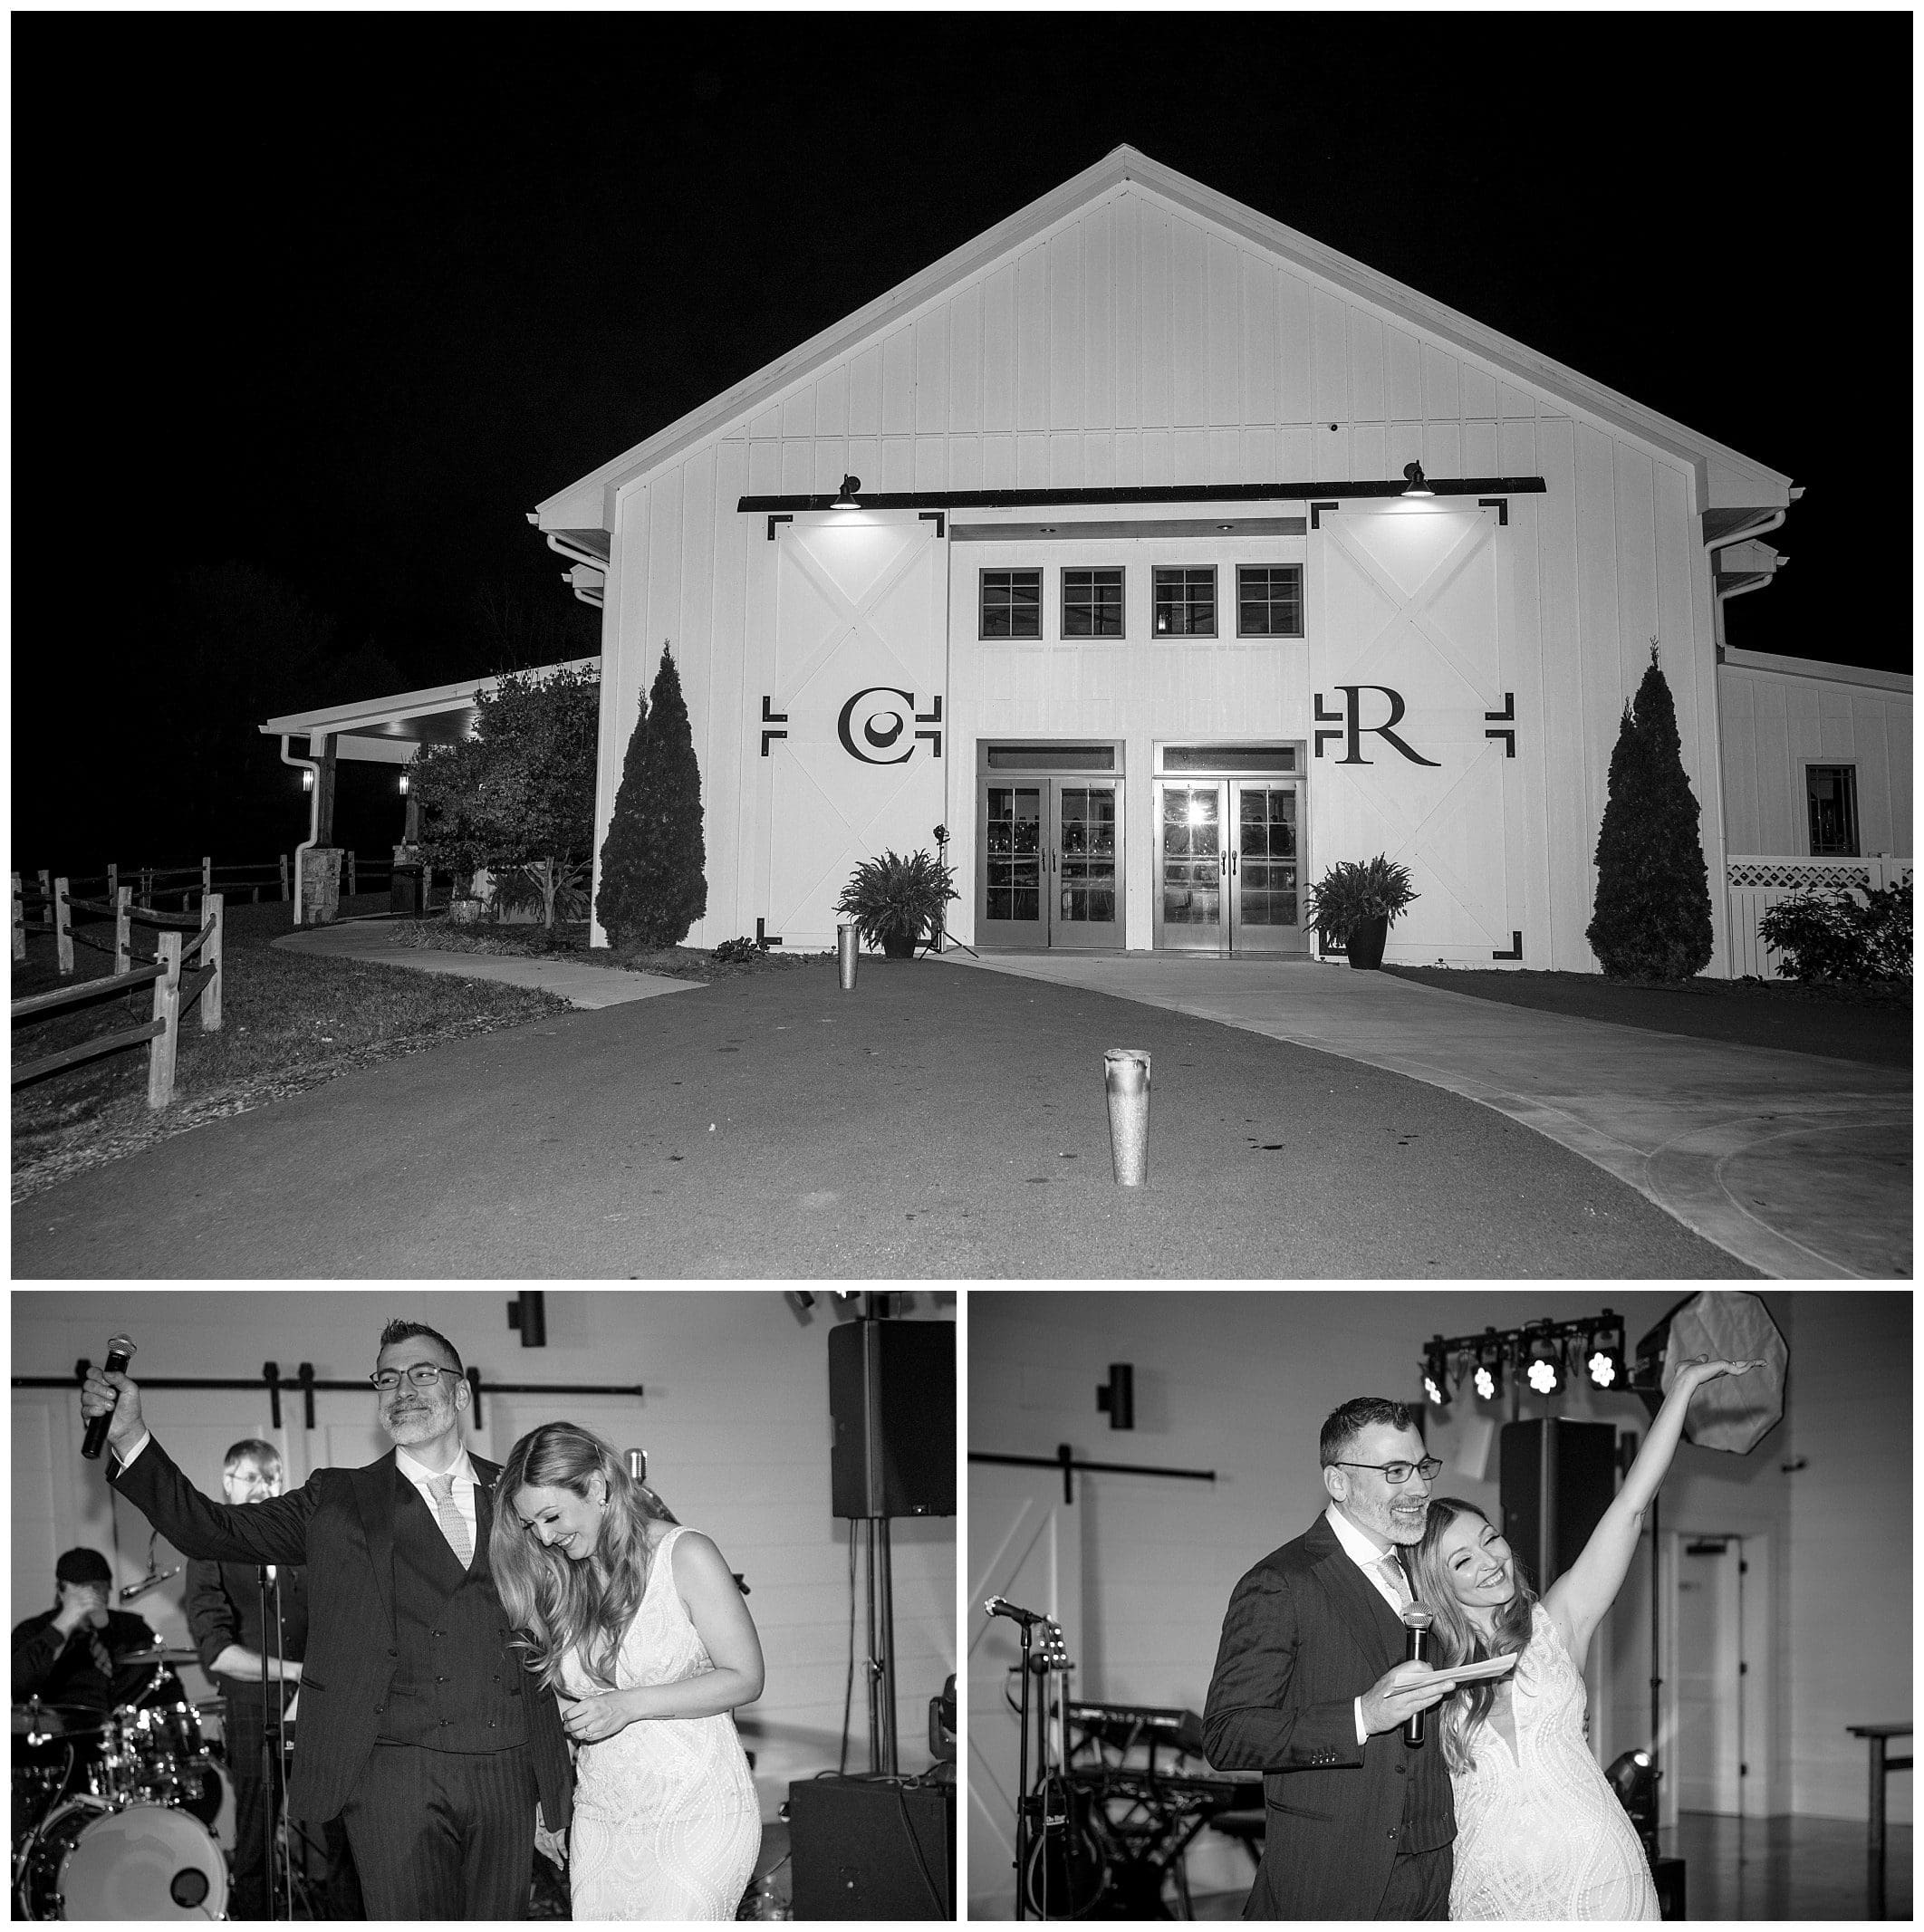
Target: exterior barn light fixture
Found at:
1416, 487
404, 783
307, 778
845, 498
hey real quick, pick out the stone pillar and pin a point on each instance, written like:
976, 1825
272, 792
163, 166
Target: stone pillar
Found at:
320, 886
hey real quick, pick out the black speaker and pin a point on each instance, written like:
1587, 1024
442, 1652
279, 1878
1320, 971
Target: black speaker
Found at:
892, 1402
873, 1847
1580, 1460
1669, 1875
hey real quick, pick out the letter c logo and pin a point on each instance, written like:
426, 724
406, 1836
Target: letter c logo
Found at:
881, 725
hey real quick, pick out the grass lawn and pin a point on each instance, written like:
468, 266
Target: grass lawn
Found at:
288, 1022
569, 940
1868, 1022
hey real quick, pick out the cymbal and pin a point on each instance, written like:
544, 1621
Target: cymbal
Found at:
159, 1654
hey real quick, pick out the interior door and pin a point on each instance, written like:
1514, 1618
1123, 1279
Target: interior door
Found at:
1024, 1543
1706, 1747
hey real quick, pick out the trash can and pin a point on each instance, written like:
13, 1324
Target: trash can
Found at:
404, 890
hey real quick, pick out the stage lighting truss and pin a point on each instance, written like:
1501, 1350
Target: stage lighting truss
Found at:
1548, 1355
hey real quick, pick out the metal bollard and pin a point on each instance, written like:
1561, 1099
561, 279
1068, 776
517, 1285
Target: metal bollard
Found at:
1126, 1083
848, 948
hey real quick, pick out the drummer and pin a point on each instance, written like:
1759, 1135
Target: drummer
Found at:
224, 1619
73, 1655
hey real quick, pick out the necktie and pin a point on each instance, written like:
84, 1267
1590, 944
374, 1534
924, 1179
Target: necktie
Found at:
452, 1527
1389, 1567
103, 1657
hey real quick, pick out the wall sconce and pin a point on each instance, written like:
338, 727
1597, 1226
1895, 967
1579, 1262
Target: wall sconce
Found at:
1116, 1397
845, 498
404, 785
307, 778
1416, 485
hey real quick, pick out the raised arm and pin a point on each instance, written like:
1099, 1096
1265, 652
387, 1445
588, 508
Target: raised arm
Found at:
273, 1532
1580, 1599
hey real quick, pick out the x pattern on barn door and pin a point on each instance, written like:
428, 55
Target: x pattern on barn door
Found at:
860, 608
1409, 604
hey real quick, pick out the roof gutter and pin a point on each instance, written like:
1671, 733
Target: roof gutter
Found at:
1771, 520
580, 557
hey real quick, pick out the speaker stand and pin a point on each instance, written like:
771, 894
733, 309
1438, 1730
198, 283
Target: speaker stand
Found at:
880, 1664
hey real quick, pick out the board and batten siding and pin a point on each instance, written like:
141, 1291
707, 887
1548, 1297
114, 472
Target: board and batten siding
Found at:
1137, 343
1775, 723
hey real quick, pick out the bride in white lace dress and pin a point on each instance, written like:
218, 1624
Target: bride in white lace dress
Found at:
1540, 1833
637, 1626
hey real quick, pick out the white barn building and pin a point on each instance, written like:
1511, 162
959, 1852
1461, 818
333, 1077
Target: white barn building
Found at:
1135, 599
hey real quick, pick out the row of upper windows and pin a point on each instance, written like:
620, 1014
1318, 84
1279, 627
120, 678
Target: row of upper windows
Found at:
1268, 602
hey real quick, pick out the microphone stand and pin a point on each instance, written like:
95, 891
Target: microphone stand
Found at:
1022, 1788
270, 1749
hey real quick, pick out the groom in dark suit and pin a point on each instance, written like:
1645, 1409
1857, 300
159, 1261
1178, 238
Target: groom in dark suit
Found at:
417, 1725
1310, 1689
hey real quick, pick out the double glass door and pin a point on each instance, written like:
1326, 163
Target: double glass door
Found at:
1226, 866
1051, 861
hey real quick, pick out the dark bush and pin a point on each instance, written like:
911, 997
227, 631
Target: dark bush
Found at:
1842, 933
737, 952
1652, 913
654, 881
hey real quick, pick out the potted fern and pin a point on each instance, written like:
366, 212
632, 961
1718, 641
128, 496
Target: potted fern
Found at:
1354, 904
893, 902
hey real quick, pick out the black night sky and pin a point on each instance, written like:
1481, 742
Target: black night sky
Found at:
310, 310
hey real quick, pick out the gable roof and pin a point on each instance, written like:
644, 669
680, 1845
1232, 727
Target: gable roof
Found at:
1728, 481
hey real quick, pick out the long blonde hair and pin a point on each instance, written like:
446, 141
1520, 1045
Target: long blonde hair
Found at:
556, 1605
1456, 1639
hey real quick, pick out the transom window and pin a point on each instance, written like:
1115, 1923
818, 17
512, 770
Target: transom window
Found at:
1830, 791
1186, 603
1012, 603
1091, 603
1269, 600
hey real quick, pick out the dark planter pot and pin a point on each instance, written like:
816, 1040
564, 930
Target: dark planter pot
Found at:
896, 946
1366, 943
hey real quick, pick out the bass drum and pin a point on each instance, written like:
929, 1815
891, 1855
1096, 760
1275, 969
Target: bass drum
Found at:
148, 1861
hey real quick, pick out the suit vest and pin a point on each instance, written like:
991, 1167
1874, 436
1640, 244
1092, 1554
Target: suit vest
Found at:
1430, 1816
456, 1685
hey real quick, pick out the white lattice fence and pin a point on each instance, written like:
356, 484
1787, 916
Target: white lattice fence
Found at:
1757, 882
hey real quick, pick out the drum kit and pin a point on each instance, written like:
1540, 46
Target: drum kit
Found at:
111, 1810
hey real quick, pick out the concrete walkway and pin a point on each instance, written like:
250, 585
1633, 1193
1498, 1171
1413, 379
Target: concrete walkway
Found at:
1796, 1165
377, 940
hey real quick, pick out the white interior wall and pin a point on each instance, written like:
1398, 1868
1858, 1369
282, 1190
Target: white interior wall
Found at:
1239, 1383
735, 1420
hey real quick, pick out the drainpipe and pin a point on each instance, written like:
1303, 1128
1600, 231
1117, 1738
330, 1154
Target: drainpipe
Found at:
313, 816
1762, 527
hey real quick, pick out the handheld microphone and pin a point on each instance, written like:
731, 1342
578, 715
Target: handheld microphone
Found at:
1002, 1607
1416, 1621
134, 1591
120, 1353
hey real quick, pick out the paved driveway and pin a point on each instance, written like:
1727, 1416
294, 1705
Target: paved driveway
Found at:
1796, 1165
937, 1122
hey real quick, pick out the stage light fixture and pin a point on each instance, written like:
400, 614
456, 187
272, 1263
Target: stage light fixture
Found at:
1488, 1379
1605, 1352
1633, 1778
1544, 1371
1436, 1376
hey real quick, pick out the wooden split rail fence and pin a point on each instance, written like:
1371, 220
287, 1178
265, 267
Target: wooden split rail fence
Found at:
183, 973
149, 882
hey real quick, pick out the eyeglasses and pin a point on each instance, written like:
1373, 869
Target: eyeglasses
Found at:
422, 1374
1398, 1474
